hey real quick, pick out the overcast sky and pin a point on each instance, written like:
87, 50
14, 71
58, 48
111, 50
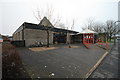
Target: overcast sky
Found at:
14, 12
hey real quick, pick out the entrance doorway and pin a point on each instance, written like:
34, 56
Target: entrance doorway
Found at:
60, 38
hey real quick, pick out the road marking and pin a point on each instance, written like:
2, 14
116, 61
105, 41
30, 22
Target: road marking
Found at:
95, 66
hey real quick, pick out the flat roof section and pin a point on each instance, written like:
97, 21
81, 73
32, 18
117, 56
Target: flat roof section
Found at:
40, 27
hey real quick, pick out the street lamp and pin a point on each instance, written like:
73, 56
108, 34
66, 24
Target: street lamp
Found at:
116, 29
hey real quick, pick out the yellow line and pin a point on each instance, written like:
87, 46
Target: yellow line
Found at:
95, 66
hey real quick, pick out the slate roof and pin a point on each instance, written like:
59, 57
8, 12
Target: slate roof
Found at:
41, 27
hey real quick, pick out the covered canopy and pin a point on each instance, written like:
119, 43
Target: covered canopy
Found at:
87, 31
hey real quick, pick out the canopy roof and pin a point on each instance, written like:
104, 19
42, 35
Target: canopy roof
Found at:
87, 31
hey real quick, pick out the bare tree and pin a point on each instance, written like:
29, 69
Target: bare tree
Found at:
89, 24
71, 23
49, 14
110, 28
61, 25
95, 26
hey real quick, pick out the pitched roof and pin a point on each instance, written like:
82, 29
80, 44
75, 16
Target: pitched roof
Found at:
45, 22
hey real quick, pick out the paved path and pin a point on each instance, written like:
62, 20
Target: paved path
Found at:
61, 62
109, 67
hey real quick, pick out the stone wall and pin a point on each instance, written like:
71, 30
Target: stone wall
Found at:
17, 36
32, 36
20, 35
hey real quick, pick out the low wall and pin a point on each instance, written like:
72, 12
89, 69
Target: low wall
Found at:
20, 43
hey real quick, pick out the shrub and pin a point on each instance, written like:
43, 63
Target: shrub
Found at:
11, 63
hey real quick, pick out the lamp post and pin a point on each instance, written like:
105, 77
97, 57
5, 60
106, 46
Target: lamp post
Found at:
116, 29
